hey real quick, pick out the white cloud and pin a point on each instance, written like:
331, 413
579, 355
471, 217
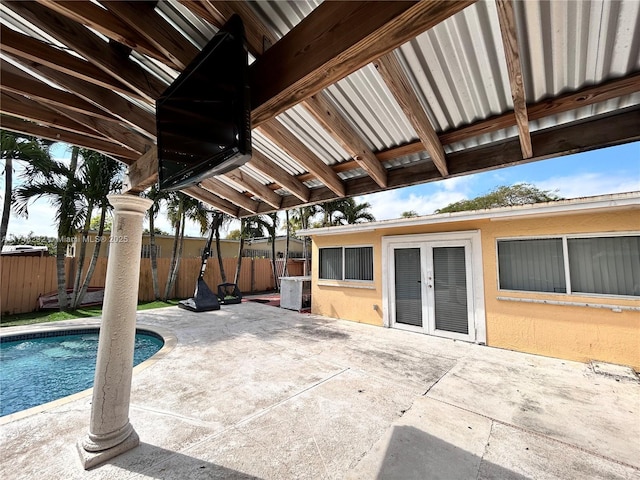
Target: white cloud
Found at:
590, 184
424, 201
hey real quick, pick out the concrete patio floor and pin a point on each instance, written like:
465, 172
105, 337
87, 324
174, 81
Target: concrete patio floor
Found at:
253, 391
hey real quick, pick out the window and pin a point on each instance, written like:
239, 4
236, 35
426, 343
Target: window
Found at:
592, 265
532, 265
346, 263
605, 265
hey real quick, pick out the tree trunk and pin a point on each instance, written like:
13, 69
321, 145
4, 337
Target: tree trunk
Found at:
274, 265
6, 208
176, 266
65, 231
223, 274
61, 251
240, 248
81, 254
94, 259
174, 253
285, 268
153, 255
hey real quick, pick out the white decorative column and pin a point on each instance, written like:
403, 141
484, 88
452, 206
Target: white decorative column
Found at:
110, 432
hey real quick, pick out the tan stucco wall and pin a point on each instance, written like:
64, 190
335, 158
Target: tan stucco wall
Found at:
573, 333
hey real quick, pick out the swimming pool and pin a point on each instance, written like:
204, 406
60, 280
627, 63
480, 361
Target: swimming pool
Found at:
40, 367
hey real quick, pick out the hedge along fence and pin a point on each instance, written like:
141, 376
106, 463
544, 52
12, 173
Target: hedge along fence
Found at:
24, 279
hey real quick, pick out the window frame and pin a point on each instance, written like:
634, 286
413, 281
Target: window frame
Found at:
565, 237
342, 280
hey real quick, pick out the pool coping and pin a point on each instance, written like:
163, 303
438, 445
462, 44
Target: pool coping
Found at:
169, 338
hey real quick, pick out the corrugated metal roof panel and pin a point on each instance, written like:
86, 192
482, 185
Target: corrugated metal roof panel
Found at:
283, 16
275, 154
365, 101
458, 68
309, 131
567, 45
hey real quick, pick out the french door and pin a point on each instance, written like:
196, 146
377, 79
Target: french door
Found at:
430, 289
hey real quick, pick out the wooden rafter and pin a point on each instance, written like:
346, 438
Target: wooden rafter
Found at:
249, 183
223, 190
509, 34
90, 46
568, 139
125, 137
142, 18
58, 135
552, 106
262, 164
90, 14
142, 173
335, 40
330, 118
16, 81
393, 75
278, 134
103, 98
213, 200
27, 109
32, 50
260, 36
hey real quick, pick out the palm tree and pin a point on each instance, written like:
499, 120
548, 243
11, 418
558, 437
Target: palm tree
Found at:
217, 221
329, 209
270, 223
250, 227
52, 179
157, 197
301, 219
352, 212
101, 176
16, 147
181, 207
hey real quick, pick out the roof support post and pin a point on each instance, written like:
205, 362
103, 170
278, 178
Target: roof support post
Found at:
110, 432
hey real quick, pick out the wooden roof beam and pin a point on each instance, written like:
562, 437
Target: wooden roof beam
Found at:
265, 166
333, 41
27, 109
124, 136
396, 80
509, 34
330, 118
91, 47
282, 137
58, 135
109, 101
213, 200
142, 173
259, 36
230, 194
142, 18
551, 106
16, 81
101, 20
33, 50
252, 185
599, 132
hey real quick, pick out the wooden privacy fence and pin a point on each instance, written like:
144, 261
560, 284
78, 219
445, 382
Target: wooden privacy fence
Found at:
24, 279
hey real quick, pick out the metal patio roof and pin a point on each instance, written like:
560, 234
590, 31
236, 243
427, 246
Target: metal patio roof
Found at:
348, 98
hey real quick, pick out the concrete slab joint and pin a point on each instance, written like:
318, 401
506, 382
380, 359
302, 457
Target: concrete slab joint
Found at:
110, 432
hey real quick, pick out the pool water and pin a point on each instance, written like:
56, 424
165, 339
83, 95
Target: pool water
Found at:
39, 370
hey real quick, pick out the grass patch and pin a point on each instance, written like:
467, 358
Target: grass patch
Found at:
46, 316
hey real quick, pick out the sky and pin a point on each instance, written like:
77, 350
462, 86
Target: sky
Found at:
608, 170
